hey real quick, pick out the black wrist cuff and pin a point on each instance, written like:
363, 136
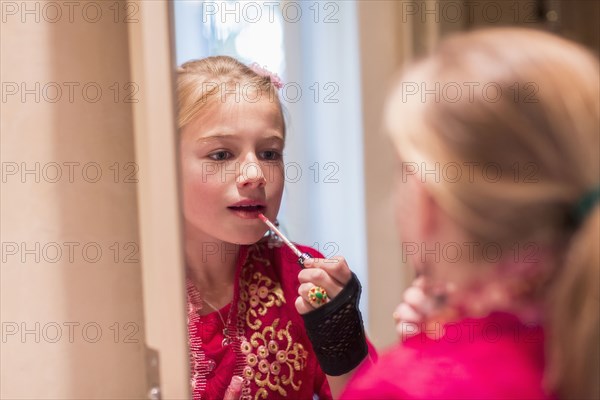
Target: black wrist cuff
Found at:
336, 331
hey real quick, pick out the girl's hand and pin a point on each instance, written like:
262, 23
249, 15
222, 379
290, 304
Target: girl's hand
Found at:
234, 390
336, 331
331, 274
413, 311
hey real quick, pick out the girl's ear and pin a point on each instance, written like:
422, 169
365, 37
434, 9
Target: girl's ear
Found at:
417, 213
428, 213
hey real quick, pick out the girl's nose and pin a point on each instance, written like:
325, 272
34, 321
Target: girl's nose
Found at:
251, 175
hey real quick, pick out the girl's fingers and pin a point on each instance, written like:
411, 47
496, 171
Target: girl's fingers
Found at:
419, 282
303, 291
407, 329
404, 312
303, 306
415, 297
331, 275
234, 390
413, 310
319, 277
336, 267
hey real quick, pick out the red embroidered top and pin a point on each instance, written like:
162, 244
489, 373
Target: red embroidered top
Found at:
268, 345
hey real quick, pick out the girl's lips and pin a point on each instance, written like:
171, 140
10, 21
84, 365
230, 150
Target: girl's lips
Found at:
247, 212
249, 203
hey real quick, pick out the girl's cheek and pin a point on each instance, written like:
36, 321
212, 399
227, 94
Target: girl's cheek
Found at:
210, 172
200, 178
270, 171
276, 180
276, 173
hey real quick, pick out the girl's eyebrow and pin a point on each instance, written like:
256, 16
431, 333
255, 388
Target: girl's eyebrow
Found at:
234, 137
215, 137
273, 137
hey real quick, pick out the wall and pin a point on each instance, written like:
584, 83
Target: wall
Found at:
72, 325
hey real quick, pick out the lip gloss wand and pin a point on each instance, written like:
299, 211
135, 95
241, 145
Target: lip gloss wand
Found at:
301, 256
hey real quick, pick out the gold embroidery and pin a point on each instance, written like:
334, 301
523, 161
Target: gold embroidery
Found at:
273, 361
269, 365
261, 292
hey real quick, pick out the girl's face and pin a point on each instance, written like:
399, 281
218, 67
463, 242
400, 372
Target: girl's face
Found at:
232, 170
435, 245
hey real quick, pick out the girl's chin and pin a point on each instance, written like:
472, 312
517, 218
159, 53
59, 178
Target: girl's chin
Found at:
246, 237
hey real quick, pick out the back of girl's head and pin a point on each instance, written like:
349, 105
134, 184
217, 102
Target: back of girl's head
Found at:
204, 83
517, 113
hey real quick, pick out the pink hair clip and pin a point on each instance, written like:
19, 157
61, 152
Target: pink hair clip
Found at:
275, 79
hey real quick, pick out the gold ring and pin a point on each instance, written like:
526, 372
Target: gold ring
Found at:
317, 295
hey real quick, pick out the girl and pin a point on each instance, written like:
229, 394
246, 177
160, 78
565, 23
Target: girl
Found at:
246, 337
512, 310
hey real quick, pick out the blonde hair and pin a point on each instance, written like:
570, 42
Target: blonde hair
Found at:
542, 137
206, 82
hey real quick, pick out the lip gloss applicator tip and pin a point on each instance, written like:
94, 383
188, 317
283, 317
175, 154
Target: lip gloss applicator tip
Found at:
301, 256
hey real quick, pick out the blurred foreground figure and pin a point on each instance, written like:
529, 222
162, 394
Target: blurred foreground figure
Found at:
497, 135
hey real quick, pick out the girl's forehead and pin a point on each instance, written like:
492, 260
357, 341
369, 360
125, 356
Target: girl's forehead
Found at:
238, 118
238, 105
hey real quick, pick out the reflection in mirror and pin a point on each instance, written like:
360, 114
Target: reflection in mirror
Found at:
269, 123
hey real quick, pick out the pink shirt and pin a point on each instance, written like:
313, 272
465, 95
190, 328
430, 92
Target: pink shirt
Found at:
496, 357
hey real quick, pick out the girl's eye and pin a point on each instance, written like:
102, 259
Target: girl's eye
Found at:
270, 155
220, 155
